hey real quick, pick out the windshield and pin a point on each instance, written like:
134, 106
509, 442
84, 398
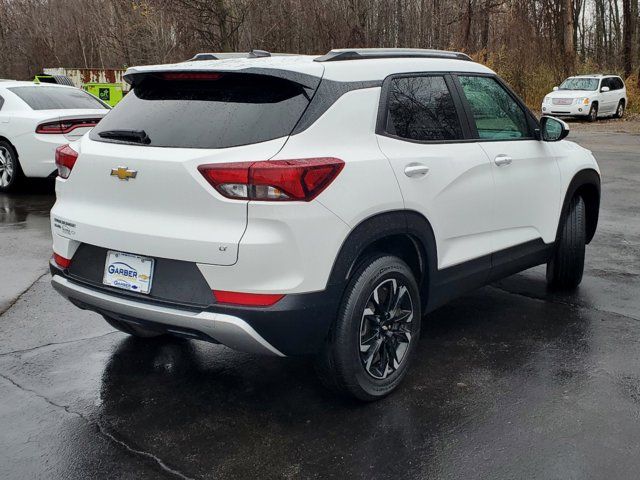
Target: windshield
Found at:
41, 97
576, 83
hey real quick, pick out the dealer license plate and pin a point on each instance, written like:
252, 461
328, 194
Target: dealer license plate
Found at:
128, 272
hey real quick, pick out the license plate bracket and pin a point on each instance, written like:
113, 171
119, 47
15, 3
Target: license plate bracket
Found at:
128, 271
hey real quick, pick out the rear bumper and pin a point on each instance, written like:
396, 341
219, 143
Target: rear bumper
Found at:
297, 325
226, 329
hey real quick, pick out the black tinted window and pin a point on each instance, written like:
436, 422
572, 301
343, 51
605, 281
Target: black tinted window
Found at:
232, 110
41, 97
496, 114
615, 83
421, 108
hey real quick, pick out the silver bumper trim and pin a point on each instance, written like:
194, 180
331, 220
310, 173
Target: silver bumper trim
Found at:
229, 330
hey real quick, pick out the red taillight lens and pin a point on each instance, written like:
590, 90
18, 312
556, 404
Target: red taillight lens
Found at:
247, 299
273, 180
61, 261
65, 160
66, 126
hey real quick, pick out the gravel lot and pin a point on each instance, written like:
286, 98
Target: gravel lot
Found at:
512, 381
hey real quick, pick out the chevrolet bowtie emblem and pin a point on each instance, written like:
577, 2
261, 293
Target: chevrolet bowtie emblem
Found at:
123, 173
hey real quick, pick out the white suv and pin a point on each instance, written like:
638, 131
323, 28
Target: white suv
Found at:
294, 205
590, 96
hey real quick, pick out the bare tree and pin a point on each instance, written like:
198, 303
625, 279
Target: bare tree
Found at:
532, 43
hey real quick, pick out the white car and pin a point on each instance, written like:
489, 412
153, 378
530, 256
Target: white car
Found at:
591, 96
34, 121
315, 205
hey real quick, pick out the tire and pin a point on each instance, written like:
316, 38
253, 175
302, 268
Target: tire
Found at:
620, 109
131, 329
11, 176
593, 113
348, 364
564, 270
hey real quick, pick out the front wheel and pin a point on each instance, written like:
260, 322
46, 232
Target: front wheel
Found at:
564, 270
593, 113
375, 334
620, 109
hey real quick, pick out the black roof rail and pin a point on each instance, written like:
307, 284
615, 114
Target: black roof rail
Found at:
224, 55
370, 53
258, 53
202, 56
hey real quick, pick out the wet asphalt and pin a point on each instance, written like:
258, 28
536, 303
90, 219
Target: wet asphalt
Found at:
510, 382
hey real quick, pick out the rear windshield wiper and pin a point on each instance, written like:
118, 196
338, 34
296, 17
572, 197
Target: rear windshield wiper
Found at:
136, 136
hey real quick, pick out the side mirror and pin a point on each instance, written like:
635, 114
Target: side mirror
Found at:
604, 89
553, 129
555, 89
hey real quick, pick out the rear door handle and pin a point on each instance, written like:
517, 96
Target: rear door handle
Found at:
503, 160
416, 170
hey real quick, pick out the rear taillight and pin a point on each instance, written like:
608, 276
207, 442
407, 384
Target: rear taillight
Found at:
273, 180
247, 299
61, 261
66, 126
65, 160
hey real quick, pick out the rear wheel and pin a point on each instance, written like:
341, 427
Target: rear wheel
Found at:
620, 109
375, 334
593, 113
564, 270
131, 329
11, 175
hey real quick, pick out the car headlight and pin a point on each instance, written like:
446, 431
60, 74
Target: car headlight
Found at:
582, 101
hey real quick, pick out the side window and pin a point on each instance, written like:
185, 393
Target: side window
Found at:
618, 83
422, 108
608, 82
1, 102
497, 115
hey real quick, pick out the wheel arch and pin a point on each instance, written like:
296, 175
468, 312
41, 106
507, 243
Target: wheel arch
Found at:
6, 139
585, 183
404, 233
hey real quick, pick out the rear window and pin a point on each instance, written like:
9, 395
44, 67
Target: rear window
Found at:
40, 97
231, 110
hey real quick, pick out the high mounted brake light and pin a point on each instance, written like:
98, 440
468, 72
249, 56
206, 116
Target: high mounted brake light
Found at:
66, 126
173, 76
65, 160
273, 180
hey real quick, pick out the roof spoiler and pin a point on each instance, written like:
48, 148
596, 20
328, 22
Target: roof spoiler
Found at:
371, 53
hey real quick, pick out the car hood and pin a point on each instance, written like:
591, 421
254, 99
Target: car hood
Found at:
571, 93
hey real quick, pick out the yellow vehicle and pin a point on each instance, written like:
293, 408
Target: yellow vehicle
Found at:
58, 79
110, 93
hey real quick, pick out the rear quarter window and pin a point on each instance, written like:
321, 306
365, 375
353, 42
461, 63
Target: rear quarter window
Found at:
232, 110
40, 97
